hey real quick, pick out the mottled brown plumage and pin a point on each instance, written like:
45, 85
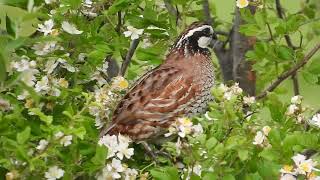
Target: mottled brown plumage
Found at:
178, 87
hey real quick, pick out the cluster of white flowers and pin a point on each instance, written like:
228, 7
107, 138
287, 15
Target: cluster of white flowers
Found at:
44, 48
196, 169
88, 9
54, 173
302, 166
27, 68
42, 145
183, 126
115, 169
295, 109
133, 33
230, 92
65, 140
49, 85
118, 148
46, 27
105, 99
261, 137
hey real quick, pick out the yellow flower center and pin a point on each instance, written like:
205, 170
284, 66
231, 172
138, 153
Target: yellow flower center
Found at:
305, 167
123, 84
243, 2
287, 168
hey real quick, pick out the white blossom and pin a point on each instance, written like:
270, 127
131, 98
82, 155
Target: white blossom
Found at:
111, 142
197, 129
296, 99
286, 169
50, 66
133, 33
58, 135
70, 28
44, 48
130, 174
23, 95
87, 3
42, 144
46, 27
315, 120
112, 171
123, 150
28, 77
288, 177
54, 173
197, 169
292, 109
120, 83
303, 164
249, 100
42, 85
24, 65
223, 88
266, 130
259, 138
50, 1
66, 140
242, 3
117, 145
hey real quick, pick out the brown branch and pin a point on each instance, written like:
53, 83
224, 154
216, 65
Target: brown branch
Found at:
126, 62
289, 73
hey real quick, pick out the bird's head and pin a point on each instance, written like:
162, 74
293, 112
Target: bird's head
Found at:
195, 39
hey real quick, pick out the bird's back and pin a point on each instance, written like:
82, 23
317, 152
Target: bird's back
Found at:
179, 87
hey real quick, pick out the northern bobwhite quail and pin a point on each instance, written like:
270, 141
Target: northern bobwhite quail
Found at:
178, 87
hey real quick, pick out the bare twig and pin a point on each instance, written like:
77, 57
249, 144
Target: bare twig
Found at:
126, 62
118, 28
172, 10
289, 43
206, 10
289, 73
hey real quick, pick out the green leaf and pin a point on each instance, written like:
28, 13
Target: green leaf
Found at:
211, 142
3, 71
167, 173
274, 137
80, 132
23, 136
269, 154
10, 27
243, 154
249, 29
228, 177
47, 119
309, 77
284, 53
314, 66
101, 154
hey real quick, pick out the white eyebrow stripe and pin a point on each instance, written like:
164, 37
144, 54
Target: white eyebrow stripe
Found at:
191, 32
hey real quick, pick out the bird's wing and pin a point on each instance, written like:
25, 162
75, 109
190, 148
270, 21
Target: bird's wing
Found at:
157, 98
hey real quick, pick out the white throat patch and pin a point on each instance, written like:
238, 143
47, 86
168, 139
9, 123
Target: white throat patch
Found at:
191, 32
204, 42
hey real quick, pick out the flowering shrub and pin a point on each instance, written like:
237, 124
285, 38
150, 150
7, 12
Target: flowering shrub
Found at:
58, 90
